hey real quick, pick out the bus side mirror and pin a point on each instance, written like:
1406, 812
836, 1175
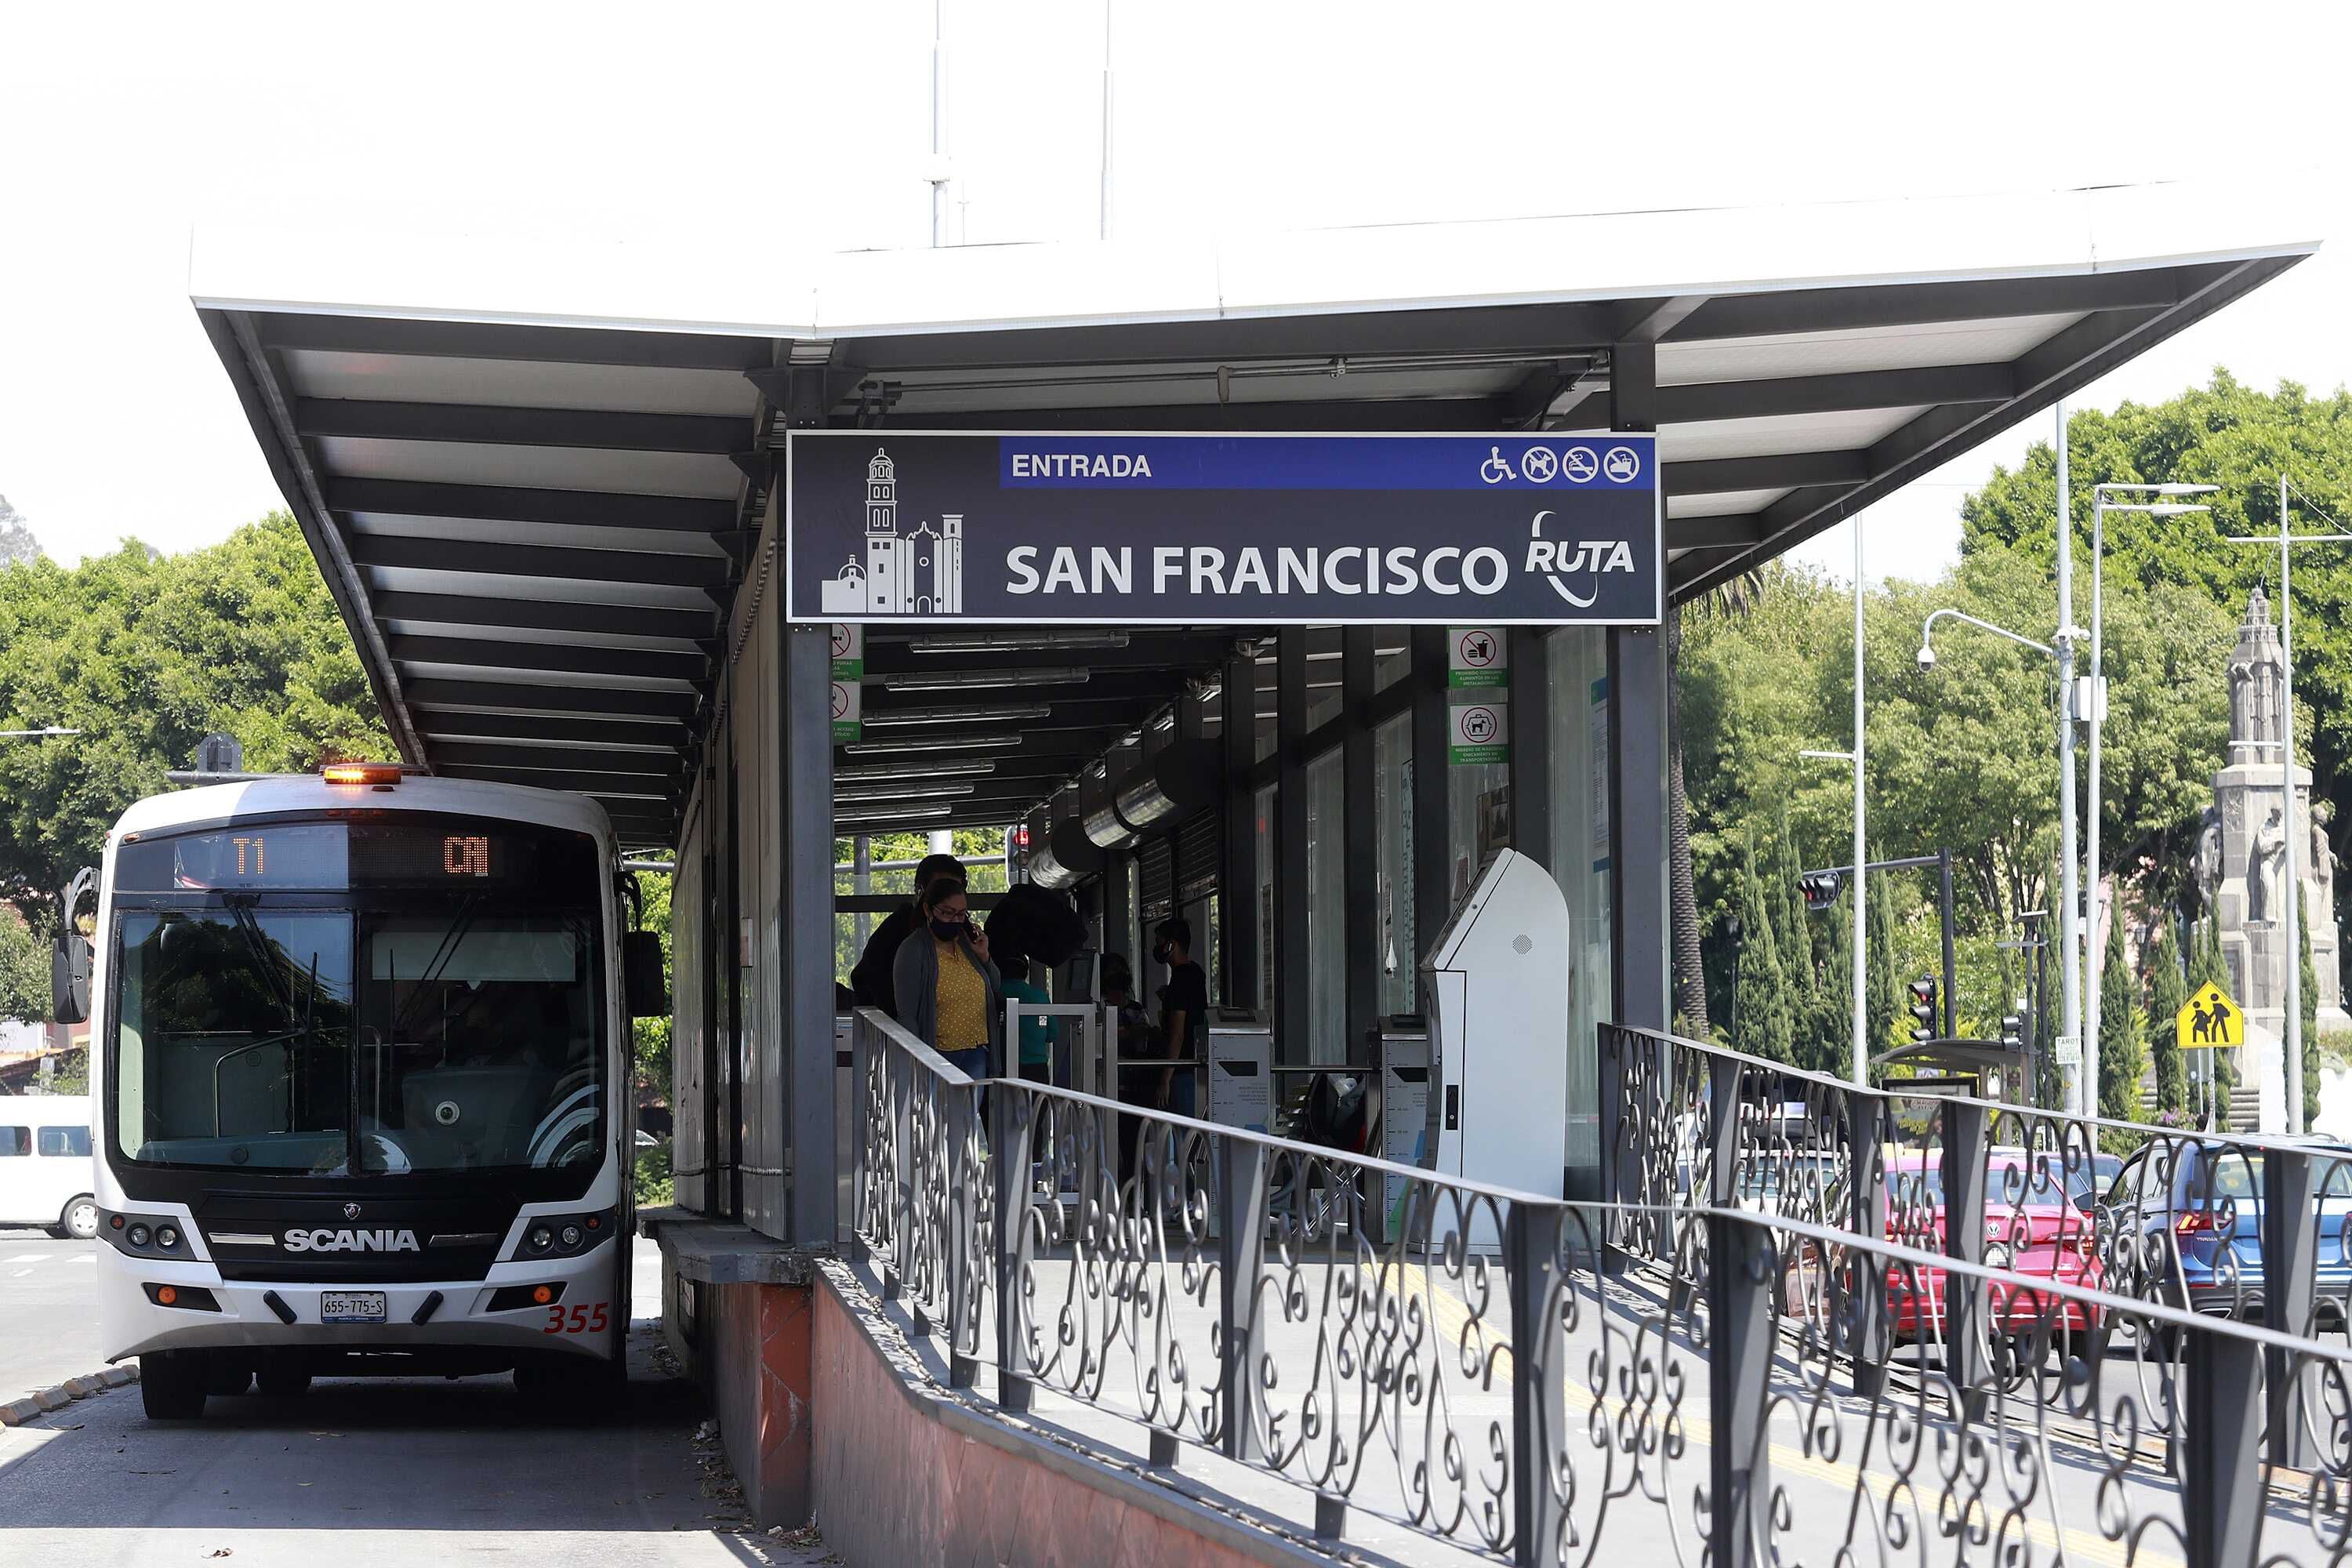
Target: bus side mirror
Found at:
69, 979
645, 983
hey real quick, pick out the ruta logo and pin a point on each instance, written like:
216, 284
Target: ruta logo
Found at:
1561, 559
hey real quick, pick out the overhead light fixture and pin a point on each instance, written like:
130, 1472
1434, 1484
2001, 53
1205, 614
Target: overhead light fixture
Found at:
934, 743
975, 679
888, 813
856, 771
1002, 715
1015, 641
916, 789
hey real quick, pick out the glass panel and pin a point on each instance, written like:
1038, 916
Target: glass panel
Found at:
1263, 882
15, 1143
233, 1037
66, 1141
1391, 655
1267, 733
1325, 697
1392, 814
1477, 821
1576, 680
1327, 909
479, 1043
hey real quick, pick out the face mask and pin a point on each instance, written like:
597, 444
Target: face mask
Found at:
946, 931
1160, 953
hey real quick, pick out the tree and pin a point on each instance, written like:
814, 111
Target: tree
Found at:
2167, 992
24, 971
146, 655
1761, 1024
1689, 968
652, 1036
2123, 1043
1834, 1040
1792, 940
1883, 972
16, 541
2308, 979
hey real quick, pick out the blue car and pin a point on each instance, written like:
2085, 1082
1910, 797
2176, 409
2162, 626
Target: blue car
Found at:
2197, 1212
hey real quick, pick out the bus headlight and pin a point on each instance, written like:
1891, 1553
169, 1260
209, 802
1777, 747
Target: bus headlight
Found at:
563, 1234
136, 1235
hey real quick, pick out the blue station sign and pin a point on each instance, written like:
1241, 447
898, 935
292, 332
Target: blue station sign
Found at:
925, 526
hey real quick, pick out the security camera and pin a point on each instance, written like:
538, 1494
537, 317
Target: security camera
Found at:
1926, 656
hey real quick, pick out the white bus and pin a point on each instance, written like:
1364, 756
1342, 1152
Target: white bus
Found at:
45, 1168
359, 1084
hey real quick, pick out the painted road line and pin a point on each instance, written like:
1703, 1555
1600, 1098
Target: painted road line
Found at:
1453, 1319
85, 1258
27, 1257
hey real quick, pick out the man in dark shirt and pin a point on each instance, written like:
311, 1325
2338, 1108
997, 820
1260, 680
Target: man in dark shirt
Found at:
870, 980
1183, 1010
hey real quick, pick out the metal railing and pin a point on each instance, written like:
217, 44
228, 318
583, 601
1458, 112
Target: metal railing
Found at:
1769, 1383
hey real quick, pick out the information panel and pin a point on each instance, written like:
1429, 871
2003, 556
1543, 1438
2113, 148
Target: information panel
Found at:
1496, 529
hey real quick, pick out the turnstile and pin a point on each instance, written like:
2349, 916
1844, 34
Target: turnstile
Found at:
1240, 1070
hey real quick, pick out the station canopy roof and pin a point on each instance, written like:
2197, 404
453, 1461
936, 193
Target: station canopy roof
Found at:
534, 473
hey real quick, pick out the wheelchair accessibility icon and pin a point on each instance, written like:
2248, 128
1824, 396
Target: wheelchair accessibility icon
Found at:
1495, 470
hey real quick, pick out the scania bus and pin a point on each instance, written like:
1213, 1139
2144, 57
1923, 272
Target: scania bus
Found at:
358, 1081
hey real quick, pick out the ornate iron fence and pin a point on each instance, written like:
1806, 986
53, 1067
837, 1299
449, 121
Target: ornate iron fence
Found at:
1778, 1379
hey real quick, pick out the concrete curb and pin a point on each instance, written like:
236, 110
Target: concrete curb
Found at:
17, 1411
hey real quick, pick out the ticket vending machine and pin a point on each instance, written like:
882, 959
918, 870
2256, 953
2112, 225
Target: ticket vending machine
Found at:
1240, 1070
1496, 985
1403, 1040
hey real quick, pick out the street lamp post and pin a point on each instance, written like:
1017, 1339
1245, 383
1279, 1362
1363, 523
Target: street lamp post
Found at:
2288, 887
1860, 1065
2094, 708
2063, 652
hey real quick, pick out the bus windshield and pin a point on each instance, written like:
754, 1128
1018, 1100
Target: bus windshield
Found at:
364, 1021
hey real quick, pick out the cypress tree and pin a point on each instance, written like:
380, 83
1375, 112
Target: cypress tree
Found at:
1794, 939
2308, 978
2123, 1049
1761, 1025
1834, 1045
2167, 992
1885, 984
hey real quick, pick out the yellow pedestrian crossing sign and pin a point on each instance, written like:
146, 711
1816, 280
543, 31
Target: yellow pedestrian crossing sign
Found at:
2210, 1019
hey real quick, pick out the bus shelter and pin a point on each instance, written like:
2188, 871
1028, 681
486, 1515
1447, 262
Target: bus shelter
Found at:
767, 554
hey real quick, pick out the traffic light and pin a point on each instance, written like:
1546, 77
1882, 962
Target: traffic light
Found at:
1923, 1009
1820, 890
2012, 1032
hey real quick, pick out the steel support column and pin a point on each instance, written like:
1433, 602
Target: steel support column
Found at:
1237, 954
805, 752
2292, 1224
1638, 850
2221, 1477
1968, 1326
1360, 834
1433, 889
1531, 824
1293, 995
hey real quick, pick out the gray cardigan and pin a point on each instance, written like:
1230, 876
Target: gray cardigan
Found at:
915, 982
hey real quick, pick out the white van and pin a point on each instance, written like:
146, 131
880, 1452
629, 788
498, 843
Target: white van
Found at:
45, 1164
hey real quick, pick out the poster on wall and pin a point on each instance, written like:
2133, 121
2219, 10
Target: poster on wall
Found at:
1273, 529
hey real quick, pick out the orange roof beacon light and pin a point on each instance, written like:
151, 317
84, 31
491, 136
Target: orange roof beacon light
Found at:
381, 774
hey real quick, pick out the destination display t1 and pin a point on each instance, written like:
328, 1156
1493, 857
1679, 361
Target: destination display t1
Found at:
316, 856
1499, 530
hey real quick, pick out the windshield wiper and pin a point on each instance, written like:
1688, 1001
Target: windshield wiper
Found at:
300, 1036
446, 950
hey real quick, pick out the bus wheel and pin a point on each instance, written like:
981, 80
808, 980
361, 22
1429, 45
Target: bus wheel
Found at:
171, 1384
80, 1221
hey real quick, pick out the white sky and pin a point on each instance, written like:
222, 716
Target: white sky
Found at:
809, 127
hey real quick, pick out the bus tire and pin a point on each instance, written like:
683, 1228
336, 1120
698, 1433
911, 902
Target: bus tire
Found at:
79, 1220
171, 1384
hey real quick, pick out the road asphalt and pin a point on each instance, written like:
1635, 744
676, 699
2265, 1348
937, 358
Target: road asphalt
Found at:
48, 1320
395, 1473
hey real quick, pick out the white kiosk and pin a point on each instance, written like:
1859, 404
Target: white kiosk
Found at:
1497, 986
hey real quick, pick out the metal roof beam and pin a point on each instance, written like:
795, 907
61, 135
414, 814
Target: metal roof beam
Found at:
556, 759
1340, 414
1493, 329
517, 503
604, 786
499, 697
1922, 304
565, 658
1715, 476
486, 340
547, 615
707, 572
1835, 394
1713, 533
491, 425
661, 740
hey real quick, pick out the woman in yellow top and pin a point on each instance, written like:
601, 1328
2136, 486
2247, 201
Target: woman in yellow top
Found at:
948, 992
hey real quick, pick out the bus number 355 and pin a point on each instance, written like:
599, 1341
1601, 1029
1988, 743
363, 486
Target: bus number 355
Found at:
580, 1319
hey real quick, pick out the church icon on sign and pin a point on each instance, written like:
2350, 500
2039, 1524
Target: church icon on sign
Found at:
915, 574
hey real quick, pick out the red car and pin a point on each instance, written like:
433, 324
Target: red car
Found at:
2033, 1228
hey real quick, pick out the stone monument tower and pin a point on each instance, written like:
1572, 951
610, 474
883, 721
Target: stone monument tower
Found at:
2241, 850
